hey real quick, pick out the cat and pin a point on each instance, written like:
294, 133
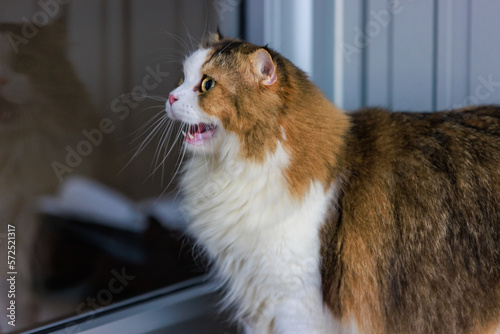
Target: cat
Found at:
43, 109
322, 221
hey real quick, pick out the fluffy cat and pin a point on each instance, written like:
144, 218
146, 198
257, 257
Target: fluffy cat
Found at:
43, 108
322, 221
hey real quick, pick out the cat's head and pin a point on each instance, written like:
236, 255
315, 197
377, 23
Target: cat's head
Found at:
234, 93
241, 100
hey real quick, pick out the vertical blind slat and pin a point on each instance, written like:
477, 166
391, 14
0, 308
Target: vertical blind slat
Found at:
378, 26
485, 53
412, 73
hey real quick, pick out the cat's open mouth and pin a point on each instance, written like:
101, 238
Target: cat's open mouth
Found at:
199, 133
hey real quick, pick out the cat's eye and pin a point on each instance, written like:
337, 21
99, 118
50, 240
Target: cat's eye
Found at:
207, 84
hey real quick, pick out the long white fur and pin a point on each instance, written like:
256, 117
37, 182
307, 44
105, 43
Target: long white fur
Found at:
264, 243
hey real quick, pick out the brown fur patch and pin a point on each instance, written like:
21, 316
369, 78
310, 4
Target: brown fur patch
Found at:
415, 246
242, 106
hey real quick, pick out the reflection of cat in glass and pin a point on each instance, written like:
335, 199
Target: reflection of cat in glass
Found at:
43, 109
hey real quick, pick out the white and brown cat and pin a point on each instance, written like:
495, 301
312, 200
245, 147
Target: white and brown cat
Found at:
322, 221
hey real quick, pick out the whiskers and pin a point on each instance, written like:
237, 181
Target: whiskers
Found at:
160, 131
168, 138
180, 158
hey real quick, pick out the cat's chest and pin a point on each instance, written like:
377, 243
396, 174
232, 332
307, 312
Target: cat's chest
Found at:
236, 204
265, 243
249, 204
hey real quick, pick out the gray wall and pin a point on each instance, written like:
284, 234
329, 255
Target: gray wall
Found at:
398, 54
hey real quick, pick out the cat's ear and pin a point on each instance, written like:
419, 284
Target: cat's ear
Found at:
219, 36
264, 67
212, 38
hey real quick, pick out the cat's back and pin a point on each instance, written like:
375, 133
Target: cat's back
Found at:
448, 147
414, 247
414, 133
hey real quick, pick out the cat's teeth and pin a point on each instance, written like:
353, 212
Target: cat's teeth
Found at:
190, 136
184, 133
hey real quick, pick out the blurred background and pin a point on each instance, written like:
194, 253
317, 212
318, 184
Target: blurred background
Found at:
88, 164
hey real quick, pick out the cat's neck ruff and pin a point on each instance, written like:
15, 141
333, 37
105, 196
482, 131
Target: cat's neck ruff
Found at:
264, 241
228, 190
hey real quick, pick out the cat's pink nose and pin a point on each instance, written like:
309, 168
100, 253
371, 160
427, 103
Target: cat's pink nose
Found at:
172, 99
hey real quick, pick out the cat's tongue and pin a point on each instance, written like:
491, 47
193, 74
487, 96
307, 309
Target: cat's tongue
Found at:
7, 111
200, 133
